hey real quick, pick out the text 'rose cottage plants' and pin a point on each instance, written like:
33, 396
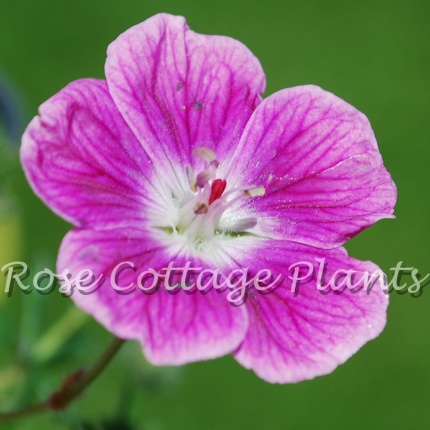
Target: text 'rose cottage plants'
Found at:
176, 158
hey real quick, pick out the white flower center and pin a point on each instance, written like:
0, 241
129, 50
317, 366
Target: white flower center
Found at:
206, 200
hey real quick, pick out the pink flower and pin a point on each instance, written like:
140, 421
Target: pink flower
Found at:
176, 158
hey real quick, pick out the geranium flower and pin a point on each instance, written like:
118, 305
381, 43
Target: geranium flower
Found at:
177, 158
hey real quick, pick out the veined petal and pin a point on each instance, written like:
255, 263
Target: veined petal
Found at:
298, 332
83, 161
172, 328
318, 160
180, 90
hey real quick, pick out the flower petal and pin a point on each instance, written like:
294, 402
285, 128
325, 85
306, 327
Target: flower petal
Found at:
83, 161
299, 333
319, 162
179, 90
173, 328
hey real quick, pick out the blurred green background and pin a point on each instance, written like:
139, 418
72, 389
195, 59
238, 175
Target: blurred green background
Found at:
374, 54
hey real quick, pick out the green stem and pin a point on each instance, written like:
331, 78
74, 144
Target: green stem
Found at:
49, 344
72, 387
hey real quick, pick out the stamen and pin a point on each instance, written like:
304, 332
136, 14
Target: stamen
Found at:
191, 179
201, 208
205, 154
204, 177
200, 214
242, 192
255, 192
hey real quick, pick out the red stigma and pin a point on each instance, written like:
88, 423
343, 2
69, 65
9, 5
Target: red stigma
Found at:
217, 188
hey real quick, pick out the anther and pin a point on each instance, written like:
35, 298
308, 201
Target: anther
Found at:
205, 154
191, 179
204, 177
201, 208
255, 192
